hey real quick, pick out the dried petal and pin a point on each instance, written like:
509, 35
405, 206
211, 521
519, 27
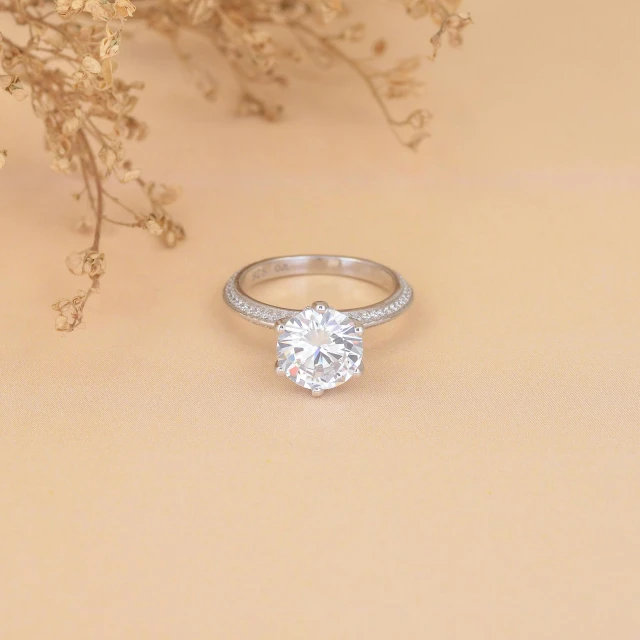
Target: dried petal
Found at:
61, 165
75, 262
62, 324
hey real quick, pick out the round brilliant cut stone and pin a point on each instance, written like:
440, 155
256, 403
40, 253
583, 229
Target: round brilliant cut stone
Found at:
319, 349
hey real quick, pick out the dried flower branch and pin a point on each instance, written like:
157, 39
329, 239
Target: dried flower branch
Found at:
65, 65
255, 36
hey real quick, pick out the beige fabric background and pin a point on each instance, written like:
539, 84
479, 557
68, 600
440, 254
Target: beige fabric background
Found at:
480, 481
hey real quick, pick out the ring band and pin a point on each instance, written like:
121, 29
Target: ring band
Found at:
318, 347
267, 315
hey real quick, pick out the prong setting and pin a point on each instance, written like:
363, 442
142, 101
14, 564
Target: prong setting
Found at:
320, 349
279, 369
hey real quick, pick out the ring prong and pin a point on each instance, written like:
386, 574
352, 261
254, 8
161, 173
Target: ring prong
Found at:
320, 306
279, 326
316, 392
359, 329
279, 369
359, 371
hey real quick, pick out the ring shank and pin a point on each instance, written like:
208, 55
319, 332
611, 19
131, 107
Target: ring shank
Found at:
236, 296
287, 266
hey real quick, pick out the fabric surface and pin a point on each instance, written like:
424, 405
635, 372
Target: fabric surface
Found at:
479, 481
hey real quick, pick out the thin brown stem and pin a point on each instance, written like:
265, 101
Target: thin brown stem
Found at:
121, 204
328, 44
97, 203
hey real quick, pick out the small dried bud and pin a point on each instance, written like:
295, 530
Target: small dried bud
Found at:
75, 263
252, 106
355, 33
14, 87
67, 8
70, 311
91, 65
100, 10
419, 118
124, 9
417, 8
90, 263
261, 49
131, 175
173, 234
62, 323
110, 45
70, 126
108, 156
154, 225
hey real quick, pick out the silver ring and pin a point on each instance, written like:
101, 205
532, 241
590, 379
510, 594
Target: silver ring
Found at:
318, 347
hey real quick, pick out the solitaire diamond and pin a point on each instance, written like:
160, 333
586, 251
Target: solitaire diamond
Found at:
319, 348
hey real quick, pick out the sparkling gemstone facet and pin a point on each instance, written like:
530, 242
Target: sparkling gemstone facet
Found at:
320, 350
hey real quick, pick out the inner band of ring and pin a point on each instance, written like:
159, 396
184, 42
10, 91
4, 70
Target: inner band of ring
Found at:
282, 267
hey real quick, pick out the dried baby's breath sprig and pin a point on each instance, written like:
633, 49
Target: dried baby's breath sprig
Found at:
257, 38
65, 64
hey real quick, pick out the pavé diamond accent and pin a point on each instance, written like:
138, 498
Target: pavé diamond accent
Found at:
319, 350
267, 315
